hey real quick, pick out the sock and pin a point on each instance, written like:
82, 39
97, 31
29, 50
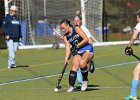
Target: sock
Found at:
134, 88
84, 72
72, 77
79, 76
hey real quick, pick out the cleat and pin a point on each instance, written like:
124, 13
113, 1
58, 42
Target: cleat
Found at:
84, 85
92, 67
130, 98
71, 89
12, 66
79, 86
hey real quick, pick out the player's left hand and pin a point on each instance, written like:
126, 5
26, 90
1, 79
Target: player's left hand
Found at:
128, 51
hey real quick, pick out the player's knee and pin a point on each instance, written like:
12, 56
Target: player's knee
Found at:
82, 64
75, 68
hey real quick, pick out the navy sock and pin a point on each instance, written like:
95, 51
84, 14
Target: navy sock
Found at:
84, 72
72, 77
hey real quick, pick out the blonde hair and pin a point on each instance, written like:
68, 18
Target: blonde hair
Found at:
78, 13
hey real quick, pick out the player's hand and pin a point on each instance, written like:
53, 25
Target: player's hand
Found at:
128, 51
7, 37
74, 50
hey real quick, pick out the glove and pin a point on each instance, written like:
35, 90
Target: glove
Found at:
74, 50
128, 51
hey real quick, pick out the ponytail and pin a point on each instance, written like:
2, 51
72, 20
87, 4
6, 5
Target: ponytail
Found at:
78, 14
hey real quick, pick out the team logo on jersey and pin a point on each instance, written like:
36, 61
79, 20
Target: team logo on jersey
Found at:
74, 37
14, 22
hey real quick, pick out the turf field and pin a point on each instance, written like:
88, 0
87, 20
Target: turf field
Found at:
37, 71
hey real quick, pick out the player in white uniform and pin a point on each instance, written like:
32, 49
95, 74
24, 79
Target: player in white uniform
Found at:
77, 21
136, 71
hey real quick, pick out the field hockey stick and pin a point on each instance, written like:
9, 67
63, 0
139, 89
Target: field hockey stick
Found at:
61, 75
136, 56
56, 32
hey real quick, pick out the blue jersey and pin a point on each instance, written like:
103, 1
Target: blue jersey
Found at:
11, 26
75, 38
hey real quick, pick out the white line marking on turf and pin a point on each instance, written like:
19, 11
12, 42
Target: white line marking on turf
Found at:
47, 76
42, 88
114, 65
108, 87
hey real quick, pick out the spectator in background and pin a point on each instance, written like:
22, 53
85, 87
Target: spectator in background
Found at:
12, 33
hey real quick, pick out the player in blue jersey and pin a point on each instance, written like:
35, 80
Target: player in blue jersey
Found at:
12, 32
136, 72
82, 52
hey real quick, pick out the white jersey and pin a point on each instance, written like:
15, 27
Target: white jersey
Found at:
137, 27
86, 31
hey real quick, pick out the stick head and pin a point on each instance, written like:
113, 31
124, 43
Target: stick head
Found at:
56, 33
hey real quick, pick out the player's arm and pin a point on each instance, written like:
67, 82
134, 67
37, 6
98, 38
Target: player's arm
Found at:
87, 32
82, 34
134, 36
90, 40
128, 49
67, 46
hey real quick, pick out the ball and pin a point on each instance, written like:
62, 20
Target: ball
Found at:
56, 90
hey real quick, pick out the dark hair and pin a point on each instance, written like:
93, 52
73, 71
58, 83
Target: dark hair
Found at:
138, 13
67, 22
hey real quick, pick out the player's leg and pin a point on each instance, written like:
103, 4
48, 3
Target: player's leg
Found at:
73, 72
10, 45
91, 66
79, 77
86, 57
135, 83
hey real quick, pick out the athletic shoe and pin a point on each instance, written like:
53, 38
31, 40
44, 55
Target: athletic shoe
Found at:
84, 85
92, 67
79, 86
12, 66
71, 89
130, 98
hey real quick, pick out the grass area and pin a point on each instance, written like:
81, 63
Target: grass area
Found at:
107, 83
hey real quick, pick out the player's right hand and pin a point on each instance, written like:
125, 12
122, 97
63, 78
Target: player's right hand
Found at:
128, 51
74, 50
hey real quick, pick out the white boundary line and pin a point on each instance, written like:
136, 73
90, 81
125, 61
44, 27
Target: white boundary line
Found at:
42, 88
108, 87
48, 76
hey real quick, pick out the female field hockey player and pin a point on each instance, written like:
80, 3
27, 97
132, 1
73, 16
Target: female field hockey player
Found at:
136, 72
82, 52
78, 21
